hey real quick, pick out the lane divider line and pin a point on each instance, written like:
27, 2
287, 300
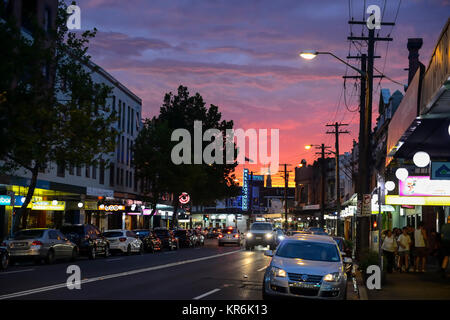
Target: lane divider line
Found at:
206, 294
263, 268
111, 276
7, 272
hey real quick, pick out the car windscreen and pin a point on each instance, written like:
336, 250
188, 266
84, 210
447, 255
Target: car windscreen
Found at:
112, 234
261, 226
306, 250
72, 229
28, 234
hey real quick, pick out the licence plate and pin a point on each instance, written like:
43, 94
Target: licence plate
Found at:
304, 285
18, 244
258, 238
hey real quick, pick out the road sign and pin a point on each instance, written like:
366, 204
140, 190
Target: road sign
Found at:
359, 208
184, 198
367, 205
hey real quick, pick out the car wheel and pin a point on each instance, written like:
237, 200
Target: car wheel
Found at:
92, 253
74, 254
107, 253
5, 262
50, 259
128, 250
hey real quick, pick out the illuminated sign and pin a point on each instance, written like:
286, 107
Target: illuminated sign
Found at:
418, 201
184, 198
423, 186
113, 207
245, 191
5, 200
258, 177
48, 205
440, 170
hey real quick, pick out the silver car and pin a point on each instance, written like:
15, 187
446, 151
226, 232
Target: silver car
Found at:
231, 236
41, 243
306, 266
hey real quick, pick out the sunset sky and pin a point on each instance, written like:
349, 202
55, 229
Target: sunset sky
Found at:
243, 57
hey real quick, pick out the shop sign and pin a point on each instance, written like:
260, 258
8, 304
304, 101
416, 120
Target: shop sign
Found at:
245, 191
367, 205
417, 201
112, 207
440, 170
5, 200
48, 205
424, 186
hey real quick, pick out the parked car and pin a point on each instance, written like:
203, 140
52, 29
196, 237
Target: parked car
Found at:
124, 241
261, 233
199, 237
229, 236
4, 257
41, 243
345, 252
186, 238
167, 238
88, 239
151, 242
321, 274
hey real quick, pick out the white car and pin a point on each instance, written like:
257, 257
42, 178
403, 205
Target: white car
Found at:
125, 241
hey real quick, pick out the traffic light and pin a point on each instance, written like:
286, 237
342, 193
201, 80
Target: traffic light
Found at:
206, 217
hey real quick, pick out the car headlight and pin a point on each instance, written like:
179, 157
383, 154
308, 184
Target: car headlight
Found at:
332, 277
277, 272
249, 235
280, 237
269, 235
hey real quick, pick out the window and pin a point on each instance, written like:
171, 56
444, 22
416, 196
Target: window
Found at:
135, 184
126, 180
118, 176
52, 235
60, 169
121, 177
120, 112
123, 118
111, 175
123, 147
128, 120
88, 171
128, 151
131, 179
47, 19
71, 169
118, 149
29, 9
132, 121
94, 171
102, 171
79, 171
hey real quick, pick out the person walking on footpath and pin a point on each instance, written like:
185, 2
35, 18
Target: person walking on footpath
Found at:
445, 237
420, 238
389, 248
404, 246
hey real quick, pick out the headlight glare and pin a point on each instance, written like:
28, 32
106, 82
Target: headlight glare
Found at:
277, 272
249, 235
332, 277
269, 235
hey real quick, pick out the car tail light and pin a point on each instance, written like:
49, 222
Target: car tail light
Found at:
236, 236
123, 239
36, 243
220, 236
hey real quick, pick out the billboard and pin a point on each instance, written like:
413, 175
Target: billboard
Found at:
245, 191
424, 186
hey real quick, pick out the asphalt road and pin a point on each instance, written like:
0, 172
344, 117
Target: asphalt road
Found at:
209, 272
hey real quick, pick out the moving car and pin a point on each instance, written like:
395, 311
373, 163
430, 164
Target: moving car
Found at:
229, 235
306, 266
41, 243
280, 236
151, 242
261, 233
124, 241
4, 257
88, 239
167, 238
185, 238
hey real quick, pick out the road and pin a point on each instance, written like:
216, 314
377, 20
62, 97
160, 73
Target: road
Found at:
207, 273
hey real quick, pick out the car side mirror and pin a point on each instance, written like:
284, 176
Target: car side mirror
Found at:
268, 253
348, 260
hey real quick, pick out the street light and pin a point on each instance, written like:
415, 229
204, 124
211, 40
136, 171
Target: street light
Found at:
309, 55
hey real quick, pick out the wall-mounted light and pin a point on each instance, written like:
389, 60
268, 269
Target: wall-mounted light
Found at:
401, 174
55, 202
421, 159
390, 185
80, 204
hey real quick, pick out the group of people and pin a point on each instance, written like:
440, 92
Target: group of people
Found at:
407, 249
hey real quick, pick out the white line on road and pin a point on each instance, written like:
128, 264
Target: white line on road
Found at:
170, 252
205, 294
1, 273
111, 276
262, 268
116, 259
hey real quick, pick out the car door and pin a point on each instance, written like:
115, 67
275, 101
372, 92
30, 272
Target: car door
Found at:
55, 243
66, 245
131, 236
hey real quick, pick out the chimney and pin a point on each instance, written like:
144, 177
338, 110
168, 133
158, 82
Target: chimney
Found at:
414, 44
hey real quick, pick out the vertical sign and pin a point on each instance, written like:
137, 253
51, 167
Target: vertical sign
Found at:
245, 191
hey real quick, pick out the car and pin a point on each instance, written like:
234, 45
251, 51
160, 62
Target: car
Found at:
318, 231
279, 235
150, 240
320, 275
39, 244
4, 257
229, 236
214, 232
124, 241
88, 239
261, 233
185, 238
295, 232
345, 253
167, 238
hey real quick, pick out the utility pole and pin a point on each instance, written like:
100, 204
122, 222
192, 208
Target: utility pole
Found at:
322, 147
286, 184
336, 132
363, 224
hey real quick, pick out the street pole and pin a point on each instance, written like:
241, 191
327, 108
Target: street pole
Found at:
285, 196
336, 132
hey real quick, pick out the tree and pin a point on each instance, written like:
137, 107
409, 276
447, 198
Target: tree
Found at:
203, 182
53, 111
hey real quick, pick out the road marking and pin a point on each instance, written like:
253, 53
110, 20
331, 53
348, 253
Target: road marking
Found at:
205, 294
116, 259
111, 276
169, 252
16, 271
262, 268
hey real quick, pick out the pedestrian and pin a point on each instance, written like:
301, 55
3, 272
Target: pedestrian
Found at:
389, 248
445, 241
404, 246
420, 243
